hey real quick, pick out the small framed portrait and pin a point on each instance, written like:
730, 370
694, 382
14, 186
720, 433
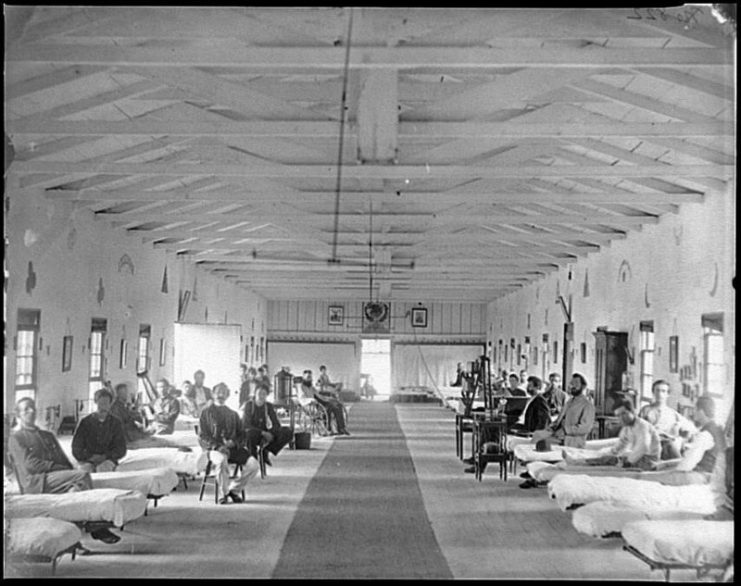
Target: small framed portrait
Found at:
67, 353
336, 315
419, 317
123, 352
673, 353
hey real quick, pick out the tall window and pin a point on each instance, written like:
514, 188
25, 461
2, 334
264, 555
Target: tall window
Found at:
26, 354
97, 358
646, 357
714, 374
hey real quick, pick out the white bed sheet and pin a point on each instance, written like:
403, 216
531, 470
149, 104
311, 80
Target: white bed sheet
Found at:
153, 481
526, 452
601, 518
693, 542
580, 489
146, 458
100, 504
42, 536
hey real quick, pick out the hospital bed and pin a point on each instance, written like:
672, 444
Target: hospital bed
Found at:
607, 518
184, 464
666, 545
154, 483
524, 452
571, 490
105, 506
40, 539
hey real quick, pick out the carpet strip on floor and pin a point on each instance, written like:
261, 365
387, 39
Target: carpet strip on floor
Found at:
362, 515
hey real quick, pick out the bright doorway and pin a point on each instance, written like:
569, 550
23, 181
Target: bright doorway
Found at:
375, 360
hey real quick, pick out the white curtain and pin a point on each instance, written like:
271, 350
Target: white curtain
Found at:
429, 365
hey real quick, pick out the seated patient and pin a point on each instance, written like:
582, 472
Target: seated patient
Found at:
130, 418
261, 424
536, 414
326, 386
332, 405
165, 410
638, 444
575, 421
673, 428
222, 439
99, 441
42, 466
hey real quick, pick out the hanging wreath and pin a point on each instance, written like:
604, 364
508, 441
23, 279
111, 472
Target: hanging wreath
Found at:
376, 311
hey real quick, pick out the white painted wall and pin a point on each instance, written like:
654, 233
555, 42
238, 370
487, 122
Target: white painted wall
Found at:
672, 281
71, 252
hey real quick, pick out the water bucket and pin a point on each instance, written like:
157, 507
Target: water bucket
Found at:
302, 440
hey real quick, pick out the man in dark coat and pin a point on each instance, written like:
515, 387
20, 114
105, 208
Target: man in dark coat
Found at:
99, 441
261, 425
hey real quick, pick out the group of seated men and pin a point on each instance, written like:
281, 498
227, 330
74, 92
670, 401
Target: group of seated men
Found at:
656, 441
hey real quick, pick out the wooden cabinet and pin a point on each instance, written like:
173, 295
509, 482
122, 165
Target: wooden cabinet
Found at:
611, 361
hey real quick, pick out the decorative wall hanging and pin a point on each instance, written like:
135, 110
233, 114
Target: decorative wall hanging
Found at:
678, 235
195, 288
586, 283
67, 353
336, 315
714, 288
30, 279
164, 281
546, 317
71, 239
123, 354
673, 353
205, 314
624, 272
163, 351
645, 297
101, 291
125, 264
528, 321
376, 317
419, 317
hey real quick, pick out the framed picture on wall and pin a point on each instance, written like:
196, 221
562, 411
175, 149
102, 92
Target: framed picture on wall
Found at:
673, 353
66, 353
336, 315
419, 317
583, 352
163, 351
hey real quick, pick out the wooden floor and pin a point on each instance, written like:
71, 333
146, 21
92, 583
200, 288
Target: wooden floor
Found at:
490, 529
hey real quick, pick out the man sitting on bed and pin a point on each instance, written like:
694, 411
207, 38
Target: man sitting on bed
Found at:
673, 428
165, 410
221, 436
130, 418
42, 466
638, 444
99, 441
536, 414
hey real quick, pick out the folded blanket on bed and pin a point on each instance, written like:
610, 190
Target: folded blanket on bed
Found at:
41, 536
694, 542
603, 518
578, 489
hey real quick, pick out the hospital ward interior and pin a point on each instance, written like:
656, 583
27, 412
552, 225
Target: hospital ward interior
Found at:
362, 293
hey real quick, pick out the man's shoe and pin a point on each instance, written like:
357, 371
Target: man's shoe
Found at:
235, 497
470, 470
224, 500
105, 535
526, 476
529, 484
468, 460
266, 459
345, 432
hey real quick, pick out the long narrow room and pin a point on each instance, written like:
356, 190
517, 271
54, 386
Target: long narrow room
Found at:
369, 292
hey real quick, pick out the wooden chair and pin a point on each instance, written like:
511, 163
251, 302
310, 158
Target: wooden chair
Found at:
210, 477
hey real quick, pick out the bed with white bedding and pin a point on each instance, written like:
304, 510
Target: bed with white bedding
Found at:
607, 519
579, 489
186, 463
681, 544
526, 452
40, 539
109, 505
152, 482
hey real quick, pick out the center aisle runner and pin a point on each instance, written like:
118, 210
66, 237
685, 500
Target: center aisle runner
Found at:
362, 515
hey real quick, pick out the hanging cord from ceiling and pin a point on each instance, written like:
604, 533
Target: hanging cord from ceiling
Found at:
338, 187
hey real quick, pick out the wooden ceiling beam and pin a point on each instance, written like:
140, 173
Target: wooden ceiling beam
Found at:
282, 128
231, 52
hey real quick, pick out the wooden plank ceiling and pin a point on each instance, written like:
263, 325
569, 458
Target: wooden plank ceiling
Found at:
481, 150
